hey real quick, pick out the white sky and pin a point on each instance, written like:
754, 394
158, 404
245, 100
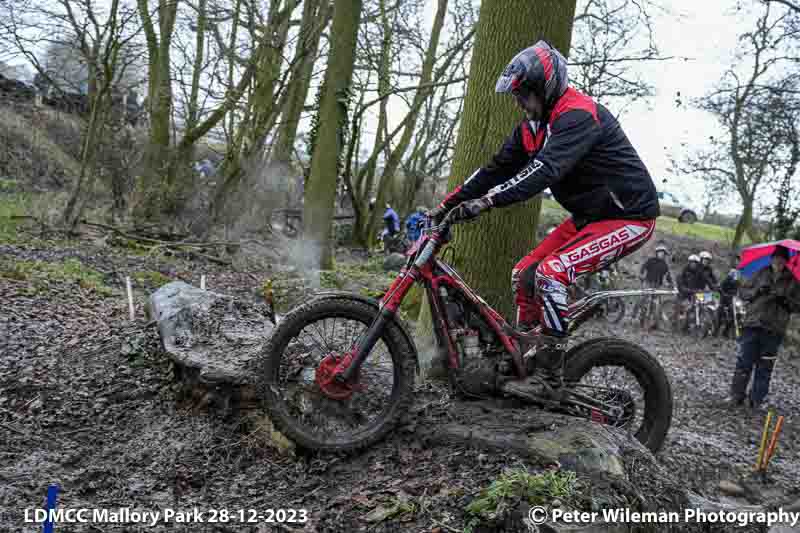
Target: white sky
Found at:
706, 31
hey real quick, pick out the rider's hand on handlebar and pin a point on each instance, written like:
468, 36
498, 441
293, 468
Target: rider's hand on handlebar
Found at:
437, 214
471, 209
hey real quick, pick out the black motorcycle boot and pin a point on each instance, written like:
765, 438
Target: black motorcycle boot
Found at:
549, 358
738, 387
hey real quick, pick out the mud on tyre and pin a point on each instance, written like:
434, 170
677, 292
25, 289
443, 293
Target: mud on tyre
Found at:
656, 415
279, 363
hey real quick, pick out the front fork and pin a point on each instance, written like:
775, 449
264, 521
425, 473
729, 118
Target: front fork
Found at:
696, 316
350, 365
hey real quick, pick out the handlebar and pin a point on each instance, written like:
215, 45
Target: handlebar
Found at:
442, 227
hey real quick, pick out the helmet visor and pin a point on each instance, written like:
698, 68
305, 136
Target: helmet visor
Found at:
506, 83
514, 73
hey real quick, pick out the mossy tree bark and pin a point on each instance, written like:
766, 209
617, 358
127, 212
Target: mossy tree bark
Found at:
487, 251
320, 193
159, 100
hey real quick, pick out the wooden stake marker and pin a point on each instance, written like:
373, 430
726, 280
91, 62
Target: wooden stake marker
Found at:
130, 297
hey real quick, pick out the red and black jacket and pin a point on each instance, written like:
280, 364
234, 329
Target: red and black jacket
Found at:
581, 153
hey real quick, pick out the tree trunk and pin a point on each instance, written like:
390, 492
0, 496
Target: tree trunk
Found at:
320, 193
744, 225
159, 98
363, 230
315, 16
85, 183
487, 251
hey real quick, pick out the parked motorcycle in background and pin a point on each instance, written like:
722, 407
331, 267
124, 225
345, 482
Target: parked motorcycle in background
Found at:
650, 310
731, 317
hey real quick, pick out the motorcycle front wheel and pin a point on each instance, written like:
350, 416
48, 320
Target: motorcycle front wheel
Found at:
315, 336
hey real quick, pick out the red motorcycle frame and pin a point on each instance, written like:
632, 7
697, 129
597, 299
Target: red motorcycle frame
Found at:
335, 375
482, 352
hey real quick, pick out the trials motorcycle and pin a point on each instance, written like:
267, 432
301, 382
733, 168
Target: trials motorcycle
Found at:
338, 372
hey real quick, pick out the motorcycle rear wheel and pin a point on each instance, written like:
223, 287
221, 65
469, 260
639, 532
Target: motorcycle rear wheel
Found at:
654, 416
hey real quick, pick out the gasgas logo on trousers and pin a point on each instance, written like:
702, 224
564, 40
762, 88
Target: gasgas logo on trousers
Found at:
615, 239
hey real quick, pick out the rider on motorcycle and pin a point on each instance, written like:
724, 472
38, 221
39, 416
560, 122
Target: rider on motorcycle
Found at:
656, 270
705, 261
693, 278
576, 147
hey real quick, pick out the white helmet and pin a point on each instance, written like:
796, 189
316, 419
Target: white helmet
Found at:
694, 258
662, 248
705, 255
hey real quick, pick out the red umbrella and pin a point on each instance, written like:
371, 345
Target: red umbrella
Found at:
757, 257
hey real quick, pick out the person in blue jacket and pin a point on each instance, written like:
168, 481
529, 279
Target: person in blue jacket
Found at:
391, 222
414, 223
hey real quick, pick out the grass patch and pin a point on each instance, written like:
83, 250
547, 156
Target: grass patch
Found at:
515, 486
21, 129
7, 185
131, 246
151, 278
39, 273
12, 205
699, 230
710, 232
375, 263
329, 279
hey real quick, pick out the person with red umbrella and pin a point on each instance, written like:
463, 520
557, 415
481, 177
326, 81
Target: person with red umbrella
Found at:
773, 294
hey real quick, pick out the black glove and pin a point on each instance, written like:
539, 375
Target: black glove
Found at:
437, 214
471, 209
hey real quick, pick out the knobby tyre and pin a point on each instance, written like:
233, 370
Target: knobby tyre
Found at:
708, 321
612, 365
292, 398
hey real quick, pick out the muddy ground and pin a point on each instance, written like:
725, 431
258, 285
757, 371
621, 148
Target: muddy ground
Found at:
87, 402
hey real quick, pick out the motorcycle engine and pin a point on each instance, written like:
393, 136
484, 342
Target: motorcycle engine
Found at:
482, 359
478, 372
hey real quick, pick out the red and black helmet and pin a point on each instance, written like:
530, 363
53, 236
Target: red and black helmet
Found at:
540, 69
